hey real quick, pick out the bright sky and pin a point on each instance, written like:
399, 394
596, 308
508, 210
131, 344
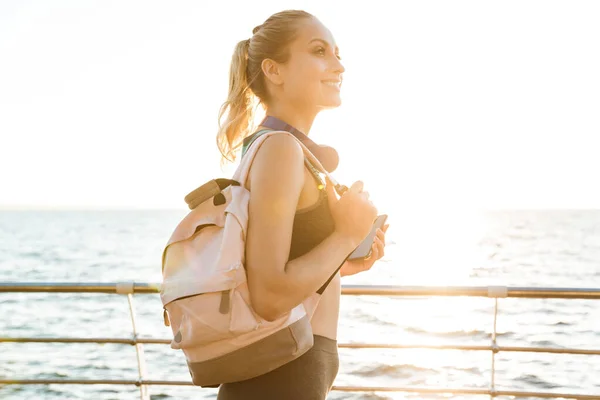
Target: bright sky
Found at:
472, 104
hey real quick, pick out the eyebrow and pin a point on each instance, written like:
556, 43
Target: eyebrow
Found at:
324, 43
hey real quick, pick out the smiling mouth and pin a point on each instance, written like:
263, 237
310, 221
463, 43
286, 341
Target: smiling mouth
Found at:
334, 84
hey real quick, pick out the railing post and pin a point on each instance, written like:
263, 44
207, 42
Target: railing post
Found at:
495, 349
495, 292
144, 394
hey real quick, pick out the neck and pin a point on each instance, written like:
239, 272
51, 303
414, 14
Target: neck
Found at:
300, 120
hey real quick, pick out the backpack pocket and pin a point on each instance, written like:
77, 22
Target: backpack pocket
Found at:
210, 317
243, 318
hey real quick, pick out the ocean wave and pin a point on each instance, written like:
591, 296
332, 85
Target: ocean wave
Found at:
536, 381
472, 334
518, 236
362, 316
471, 370
544, 343
52, 375
160, 396
394, 371
31, 254
547, 311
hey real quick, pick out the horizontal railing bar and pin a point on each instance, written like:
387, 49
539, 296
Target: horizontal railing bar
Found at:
547, 395
132, 341
83, 340
473, 291
135, 382
468, 391
554, 350
376, 290
557, 350
75, 287
411, 389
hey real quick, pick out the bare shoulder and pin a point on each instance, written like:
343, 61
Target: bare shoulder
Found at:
279, 157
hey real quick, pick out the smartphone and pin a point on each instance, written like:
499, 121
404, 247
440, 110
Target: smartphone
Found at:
364, 248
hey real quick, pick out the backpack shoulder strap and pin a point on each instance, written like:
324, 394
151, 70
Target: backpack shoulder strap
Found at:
250, 139
314, 171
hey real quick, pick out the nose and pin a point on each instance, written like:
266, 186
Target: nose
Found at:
338, 66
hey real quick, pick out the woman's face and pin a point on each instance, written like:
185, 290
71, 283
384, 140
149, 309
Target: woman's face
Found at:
312, 76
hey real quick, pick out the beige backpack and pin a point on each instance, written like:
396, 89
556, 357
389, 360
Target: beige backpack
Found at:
205, 293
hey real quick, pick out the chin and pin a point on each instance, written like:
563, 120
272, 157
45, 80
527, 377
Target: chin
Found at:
331, 103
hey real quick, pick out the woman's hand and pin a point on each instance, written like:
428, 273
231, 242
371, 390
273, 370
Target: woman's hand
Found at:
353, 213
377, 251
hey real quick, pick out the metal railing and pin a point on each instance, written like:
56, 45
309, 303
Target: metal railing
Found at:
495, 292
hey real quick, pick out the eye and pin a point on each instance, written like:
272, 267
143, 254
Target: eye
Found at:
321, 51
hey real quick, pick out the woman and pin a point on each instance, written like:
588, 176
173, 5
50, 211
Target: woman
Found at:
299, 233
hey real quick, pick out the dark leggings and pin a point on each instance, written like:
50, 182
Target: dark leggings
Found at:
309, 377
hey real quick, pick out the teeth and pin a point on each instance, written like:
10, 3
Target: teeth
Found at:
334, 84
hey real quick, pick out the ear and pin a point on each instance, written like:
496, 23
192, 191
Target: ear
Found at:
272, 71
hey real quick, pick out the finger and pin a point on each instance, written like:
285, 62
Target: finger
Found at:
382, 250
374, 254
385, 227
365, 198
380, 235
379, 242
357, 187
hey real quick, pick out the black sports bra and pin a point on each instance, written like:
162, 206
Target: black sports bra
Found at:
311, 225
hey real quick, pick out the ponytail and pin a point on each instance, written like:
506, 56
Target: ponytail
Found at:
238, 109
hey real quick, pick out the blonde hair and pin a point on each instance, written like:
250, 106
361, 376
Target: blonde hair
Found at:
247, 88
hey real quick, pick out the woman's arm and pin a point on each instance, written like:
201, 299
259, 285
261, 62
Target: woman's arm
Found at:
276, 285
